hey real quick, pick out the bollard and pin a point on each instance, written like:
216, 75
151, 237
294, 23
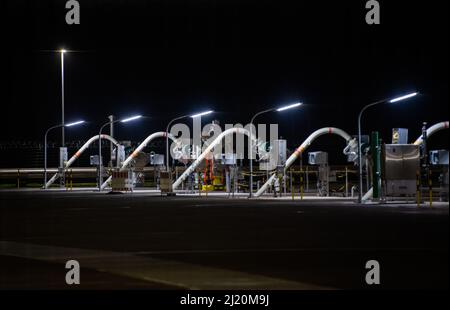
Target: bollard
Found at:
292, 190
199, 185
430, 188
301, 184
418, 188
71, 179
307, 178
346, 181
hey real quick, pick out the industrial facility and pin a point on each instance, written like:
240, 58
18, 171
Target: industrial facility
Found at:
224, 154
400, 170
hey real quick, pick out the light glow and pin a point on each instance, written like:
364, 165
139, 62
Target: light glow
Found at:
74, 123
289, 106
403, 97
201, 114
132, 118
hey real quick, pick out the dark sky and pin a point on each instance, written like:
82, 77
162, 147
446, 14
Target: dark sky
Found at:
168, 58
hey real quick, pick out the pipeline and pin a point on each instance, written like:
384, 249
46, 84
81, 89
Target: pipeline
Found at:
78, 153
432, 130
160, 134
301, 149
202, 156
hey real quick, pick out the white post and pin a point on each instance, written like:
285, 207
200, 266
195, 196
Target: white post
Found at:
62, 100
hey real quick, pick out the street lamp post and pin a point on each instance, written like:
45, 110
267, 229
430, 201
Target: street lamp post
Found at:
167, 139
45, 146
124, 120
360, 195
62, 98
168, 128
250, 151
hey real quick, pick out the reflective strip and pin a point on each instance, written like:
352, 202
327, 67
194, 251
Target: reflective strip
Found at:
299, 150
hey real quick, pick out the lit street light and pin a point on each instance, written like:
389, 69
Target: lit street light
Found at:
167, 132
201, 114
250, 151
397, 99
123, 120
74, 123
45, 146
289, 107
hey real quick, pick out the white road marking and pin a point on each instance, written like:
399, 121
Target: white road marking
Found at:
183, 275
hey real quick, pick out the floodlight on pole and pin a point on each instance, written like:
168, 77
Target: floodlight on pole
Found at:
201, 114
403, 97
396, 99
45, 145
132, 118
122, 120
74, 123
168, 128
250, 151
291, 106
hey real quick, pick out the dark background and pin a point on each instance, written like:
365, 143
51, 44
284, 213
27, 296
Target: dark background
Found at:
168, 58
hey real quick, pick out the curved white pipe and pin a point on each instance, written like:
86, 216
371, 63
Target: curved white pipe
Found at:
368, 195
160, 134
208, 150
78, 153
302, 147
433, 129
430, 131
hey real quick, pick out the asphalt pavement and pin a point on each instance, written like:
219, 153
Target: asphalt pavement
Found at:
147, 241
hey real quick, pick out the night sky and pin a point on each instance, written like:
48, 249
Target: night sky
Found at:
168, 58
